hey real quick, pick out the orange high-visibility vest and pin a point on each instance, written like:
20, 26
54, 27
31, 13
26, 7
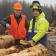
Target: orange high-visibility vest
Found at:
18, 30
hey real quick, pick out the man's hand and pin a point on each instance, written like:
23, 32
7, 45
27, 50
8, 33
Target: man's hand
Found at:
7, 31
31, 43
23, 42
8, 26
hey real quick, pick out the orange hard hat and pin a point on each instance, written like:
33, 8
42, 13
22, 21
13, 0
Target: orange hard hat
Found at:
17, 6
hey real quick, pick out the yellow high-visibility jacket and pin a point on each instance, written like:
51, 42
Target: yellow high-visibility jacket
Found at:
41, 27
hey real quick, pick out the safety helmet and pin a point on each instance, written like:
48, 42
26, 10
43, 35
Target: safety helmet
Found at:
17, 6
35, 5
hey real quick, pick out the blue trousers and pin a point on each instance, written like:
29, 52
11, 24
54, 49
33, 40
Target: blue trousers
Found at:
43, 40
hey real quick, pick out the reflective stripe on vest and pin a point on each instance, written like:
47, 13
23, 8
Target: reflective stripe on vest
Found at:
18, 30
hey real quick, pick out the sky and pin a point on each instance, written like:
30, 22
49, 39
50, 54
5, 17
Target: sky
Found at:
42, 2
47, 2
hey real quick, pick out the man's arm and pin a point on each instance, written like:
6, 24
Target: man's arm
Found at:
42, 31
5, 21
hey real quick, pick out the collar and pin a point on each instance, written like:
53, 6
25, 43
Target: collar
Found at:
40, 16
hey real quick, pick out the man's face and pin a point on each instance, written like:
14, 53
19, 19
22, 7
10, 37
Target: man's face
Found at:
35, 12
17, 12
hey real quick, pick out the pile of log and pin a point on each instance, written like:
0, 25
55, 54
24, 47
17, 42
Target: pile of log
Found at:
38, 50
5, 40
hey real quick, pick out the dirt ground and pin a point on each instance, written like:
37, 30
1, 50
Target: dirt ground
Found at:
52, 45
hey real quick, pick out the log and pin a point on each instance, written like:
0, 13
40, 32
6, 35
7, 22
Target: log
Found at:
38, 50
6, 41
9, 50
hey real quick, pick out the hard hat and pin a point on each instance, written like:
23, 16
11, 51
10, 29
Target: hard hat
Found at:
35, 5
17, 6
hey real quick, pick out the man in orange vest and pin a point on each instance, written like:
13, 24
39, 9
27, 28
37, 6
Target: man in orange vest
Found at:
17, 23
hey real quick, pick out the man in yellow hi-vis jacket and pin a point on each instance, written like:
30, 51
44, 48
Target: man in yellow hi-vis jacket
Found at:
38, 25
